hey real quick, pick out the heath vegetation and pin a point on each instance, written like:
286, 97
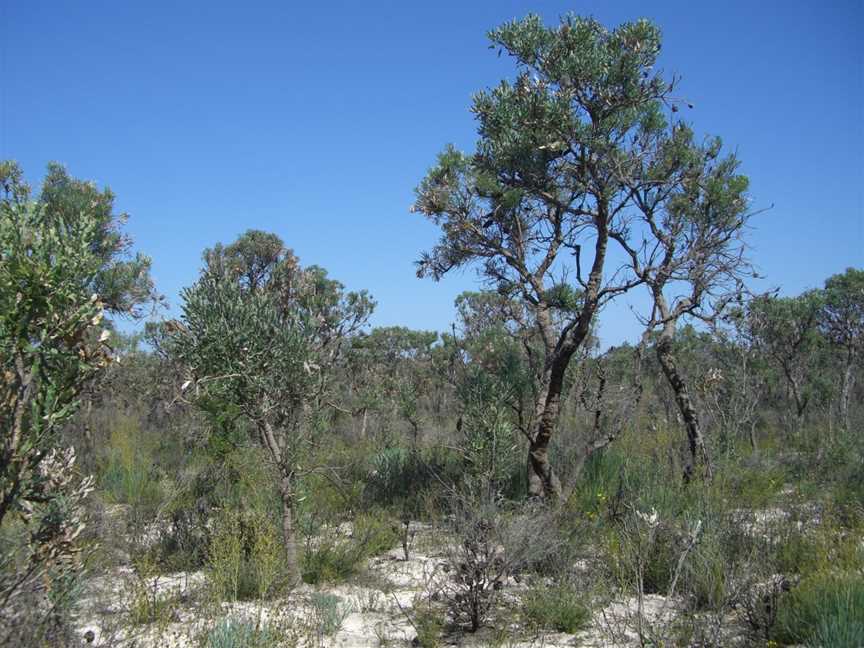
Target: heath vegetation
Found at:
268, 470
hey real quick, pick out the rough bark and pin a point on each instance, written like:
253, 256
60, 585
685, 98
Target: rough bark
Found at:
542, 480
698, 453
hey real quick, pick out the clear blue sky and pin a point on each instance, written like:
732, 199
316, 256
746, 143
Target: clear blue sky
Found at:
317, 122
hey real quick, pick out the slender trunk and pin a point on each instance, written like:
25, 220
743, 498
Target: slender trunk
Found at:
799, 398
292, 568
696, 440
542, 480
845, 393
270, 439
753, 445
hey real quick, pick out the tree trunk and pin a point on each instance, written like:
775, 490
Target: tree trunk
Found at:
292, 567
845, 393
696, 441
542, 480
753, 445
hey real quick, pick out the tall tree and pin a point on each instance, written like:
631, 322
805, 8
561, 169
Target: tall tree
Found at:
692, 215
389, 370
842, 322
261, 334
64, 264
552, 182
786, 330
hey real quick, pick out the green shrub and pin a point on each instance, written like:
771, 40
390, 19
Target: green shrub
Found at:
806, 548
236, 633
147, 604
375, 532
333, 557
245, 557
428, 624
329, 613
125, 469
404, 480
558, 608
825, 610
754, 483
330, 560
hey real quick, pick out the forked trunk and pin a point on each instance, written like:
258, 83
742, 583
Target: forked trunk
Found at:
542, 480
698, 453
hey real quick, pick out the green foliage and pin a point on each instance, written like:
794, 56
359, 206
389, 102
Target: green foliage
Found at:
63, 263
825, 610
807, 547
125, 471
376, 531
490, 443
245, 557
390, 370
147, 602
786, 329
261, 337
842, 317
329, 613
428, 624
408, 480
330, 556
559, 608
239, 633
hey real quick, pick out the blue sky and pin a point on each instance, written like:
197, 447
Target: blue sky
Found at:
317, 120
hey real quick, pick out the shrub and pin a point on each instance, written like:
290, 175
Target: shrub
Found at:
806, 548
825, 610
233, 633
147, 602
125, 469
406, 479
375, 532
428, 624
490, 545
329, 613
333, 557
559, 608
245, 559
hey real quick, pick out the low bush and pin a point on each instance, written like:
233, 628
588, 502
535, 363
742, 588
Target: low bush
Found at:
238, 633
126, 471
147, 602
559, 607
428, 624
328, 613
332, 556
245, 557
824, 610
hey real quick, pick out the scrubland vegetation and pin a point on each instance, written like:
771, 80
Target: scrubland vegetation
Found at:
268, 470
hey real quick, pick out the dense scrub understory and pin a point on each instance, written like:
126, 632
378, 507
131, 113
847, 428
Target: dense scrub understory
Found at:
414, 523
